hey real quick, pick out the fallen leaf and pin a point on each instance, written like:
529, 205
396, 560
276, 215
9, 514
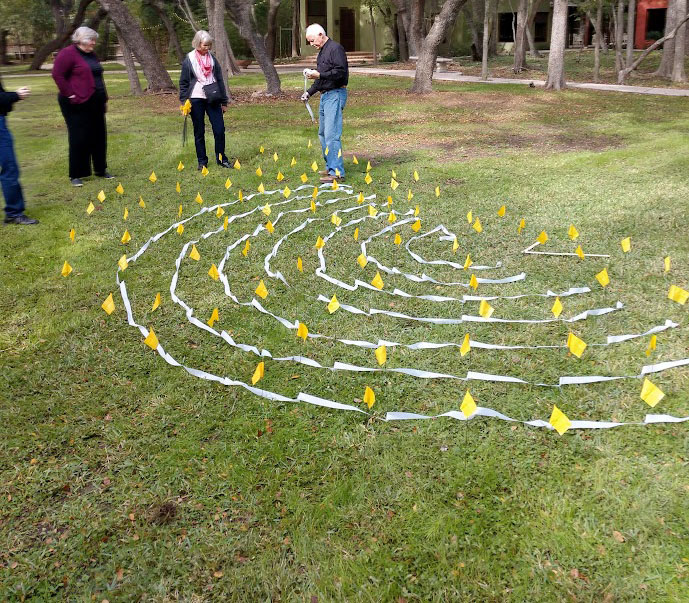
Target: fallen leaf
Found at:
618, 536
119, 574
217, 574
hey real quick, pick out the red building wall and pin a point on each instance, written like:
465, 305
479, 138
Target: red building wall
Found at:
640, 30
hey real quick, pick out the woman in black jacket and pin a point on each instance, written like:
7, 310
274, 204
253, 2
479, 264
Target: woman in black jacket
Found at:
202, 83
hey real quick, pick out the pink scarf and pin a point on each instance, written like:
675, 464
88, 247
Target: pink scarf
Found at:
204, 62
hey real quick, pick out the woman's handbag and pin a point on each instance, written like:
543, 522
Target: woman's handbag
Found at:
212, 91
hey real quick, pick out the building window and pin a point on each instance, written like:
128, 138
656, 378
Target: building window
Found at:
540, 27
655, 23
316, 12
505, 33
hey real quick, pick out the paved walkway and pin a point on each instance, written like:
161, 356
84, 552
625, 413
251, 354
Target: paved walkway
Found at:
453, 76
449, 76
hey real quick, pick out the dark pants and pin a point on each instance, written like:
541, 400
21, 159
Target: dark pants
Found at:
199, 108
9, 173
87, 135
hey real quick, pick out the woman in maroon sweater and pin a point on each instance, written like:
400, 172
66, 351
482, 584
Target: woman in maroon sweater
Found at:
83, 101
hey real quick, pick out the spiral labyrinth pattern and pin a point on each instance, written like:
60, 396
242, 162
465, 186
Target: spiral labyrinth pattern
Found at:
337, 231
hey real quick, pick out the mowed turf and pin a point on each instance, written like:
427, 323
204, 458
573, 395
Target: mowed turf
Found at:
124, 478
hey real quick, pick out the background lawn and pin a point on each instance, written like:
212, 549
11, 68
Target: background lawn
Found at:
124, 478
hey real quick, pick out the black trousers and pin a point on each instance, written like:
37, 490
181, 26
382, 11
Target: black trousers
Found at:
199, 108
87, 135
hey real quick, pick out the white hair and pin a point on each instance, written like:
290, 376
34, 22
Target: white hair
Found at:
201, 37
313, 30
83, 34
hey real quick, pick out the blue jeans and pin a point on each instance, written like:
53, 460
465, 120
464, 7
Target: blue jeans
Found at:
330, 128
9, 173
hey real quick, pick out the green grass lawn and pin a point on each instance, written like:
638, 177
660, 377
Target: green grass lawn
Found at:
124, 478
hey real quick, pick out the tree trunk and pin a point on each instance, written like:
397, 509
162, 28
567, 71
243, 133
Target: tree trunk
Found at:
215, 9
667, 60
618, 21
487, 23
558, 38
598, 26
3, 47
63, 33
242, 12
520, 38
402, 40
373, 32
271, 33
631, 21
156, 75
159, 8
429, 49
416, 33
494, 28
296, 28
476, 39
678, 73
188, 15
657, 44
533, 9
134, 83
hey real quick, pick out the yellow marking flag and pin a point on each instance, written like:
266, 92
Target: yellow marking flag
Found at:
180, 229
333, 305
576, 345
125, 215
557, 308
501, 211
677, 294
213, 272
119, 189
108, 305
356, 234
485, 309
522, 226
313, 206
477, 226
269, 227
261, 188
302, 331
156, 303
275, 157
667, 264
468, 262
122, 262
572, 232
398, 239
198, 198
101, 196
319, 243
90, 208
237, 165
468, 406
652, 344
394, 184
416, 176
204, 171
258, 373
543, 237
603, 278
392, 217
377, 281
195, 255
153, 178
259, 171
626, 244
178, 188
437, 191
559, 420
381, 355
293, 162
465, 348
180, 166
261, 290
372, 211
369, 397
580, 252
455, 245
247, 246
126, 237
151, 340
368, 166
355, 161
220, 212
266, 209
300, 264
416, 226
304, 178
214, 317
72, 235
314, 166
651, 394
336, 220
228, 183
473, 282
470, 217
368, 178
362, 260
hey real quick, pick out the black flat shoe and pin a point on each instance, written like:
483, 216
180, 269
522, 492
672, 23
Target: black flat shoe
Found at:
225, 163
201, 166
21, 219
77, 182
107, 175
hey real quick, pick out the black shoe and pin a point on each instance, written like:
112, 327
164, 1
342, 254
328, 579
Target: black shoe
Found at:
224, 163
21, 219
77, 182
201, 166
107, 175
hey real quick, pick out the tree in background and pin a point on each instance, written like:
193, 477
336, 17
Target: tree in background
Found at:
558, 38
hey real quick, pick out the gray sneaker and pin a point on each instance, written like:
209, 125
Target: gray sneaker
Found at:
77, 182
